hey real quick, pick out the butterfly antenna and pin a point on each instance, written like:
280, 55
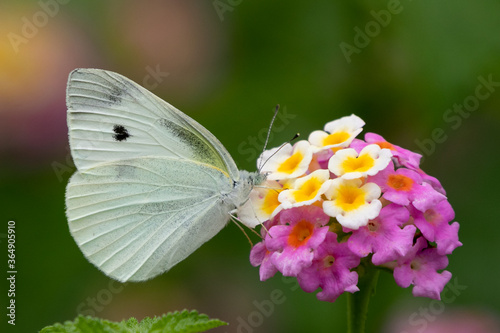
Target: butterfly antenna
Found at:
267, 231
243, 231
276, 109
236, 220
277, 150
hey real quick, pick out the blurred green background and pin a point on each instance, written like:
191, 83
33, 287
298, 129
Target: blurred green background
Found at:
227, 64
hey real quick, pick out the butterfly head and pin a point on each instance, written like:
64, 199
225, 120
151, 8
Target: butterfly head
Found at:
243, 186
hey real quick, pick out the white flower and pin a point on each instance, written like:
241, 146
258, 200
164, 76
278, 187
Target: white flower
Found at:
351, 204
262, 204
288, 162
346, 163
306, 190
337, 133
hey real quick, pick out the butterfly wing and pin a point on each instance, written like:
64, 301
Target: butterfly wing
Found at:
136, 218
111, 118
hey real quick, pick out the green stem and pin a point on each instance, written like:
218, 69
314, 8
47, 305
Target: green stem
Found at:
357, 303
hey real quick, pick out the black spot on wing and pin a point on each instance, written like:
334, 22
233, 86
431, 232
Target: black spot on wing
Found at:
121, 133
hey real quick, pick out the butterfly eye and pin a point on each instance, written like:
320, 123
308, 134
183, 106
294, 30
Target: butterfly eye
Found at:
121, 133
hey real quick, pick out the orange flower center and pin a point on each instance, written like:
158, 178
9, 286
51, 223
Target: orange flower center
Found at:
400, 182
300, 234
385, 144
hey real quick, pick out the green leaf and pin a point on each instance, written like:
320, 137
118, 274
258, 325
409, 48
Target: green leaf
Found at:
172, 322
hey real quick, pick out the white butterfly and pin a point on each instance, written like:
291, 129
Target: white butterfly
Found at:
152, 184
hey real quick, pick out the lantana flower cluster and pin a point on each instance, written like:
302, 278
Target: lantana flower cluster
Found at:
333, 201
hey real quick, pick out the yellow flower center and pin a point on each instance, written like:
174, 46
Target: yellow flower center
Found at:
291, 164
336, 138
300, 234
400, 182
308, 190
350, 197
362, 163
271, 201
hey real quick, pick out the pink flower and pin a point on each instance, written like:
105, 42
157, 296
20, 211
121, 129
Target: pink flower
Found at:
358, 145
404, 186
383, 236
330, 270
403, 156
321, 159
419, 267
433, 223
260, 255
293, 244
433, 181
